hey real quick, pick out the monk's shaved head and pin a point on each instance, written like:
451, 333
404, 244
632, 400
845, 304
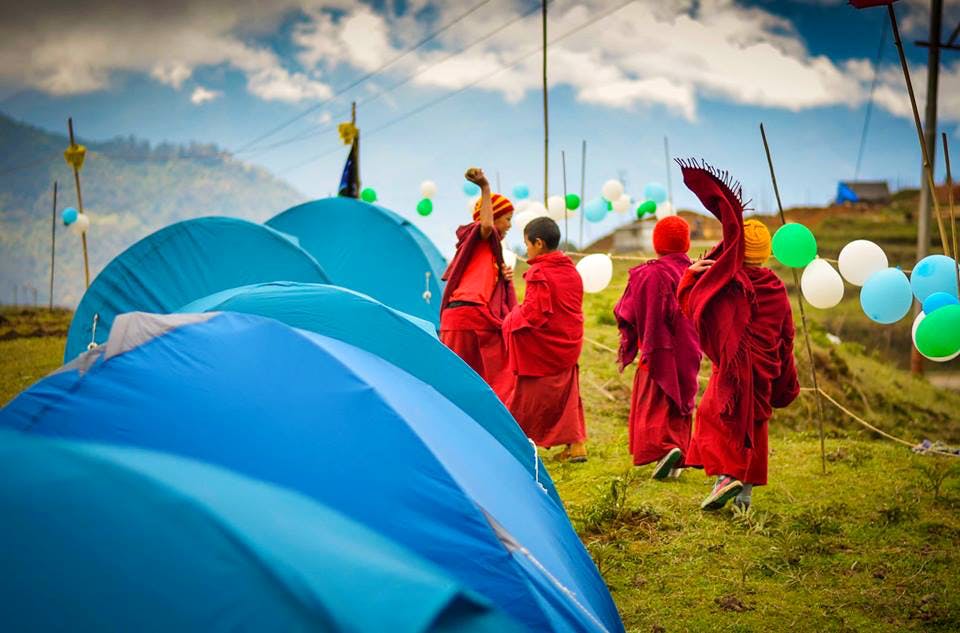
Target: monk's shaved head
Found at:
543, 229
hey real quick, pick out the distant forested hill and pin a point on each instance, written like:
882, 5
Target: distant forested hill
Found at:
130, 189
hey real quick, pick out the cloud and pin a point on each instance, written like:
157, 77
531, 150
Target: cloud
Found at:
202, 95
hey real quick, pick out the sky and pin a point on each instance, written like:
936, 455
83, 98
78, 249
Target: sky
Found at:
442, 86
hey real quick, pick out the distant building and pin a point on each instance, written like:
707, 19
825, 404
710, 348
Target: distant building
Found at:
863, 192
635, 237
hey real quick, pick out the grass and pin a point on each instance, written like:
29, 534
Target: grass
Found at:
869, 546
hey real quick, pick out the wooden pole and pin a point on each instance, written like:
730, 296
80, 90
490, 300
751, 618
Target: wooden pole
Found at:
83, 236
583, 186
53, 240
953, 217
546, 118
353, 121
566, 220
803, 313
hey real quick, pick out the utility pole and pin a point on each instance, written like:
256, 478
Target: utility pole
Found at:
546, 118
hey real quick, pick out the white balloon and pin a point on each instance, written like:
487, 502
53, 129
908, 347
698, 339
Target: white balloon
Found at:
556, 207
538, 210
913, 336
509, 257
821, 285
859, 259
428, 189
621, 204
81, 224
596, 271
520, 221
612, 190
665, 210
521, 205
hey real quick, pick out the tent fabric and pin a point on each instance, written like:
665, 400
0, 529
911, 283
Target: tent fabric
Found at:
183, 262
345, 428
369, 249
142, 541
846, 194
394, 336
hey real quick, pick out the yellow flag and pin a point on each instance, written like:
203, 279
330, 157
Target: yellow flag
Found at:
74, 156
348, 132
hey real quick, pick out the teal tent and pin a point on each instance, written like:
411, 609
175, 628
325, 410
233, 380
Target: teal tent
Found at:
183, 262
370, 249
404, 341
98, 538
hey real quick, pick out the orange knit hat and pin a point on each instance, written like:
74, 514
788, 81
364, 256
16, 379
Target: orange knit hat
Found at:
756, 242
501, 206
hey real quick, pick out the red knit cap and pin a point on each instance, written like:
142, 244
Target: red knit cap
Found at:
501, 206
671, 235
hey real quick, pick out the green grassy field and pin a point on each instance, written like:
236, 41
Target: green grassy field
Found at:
870, 546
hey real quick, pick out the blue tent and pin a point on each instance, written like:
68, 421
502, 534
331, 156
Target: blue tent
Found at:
846, 194
395, 337
183, 262
369, 249
342, 426
101, 538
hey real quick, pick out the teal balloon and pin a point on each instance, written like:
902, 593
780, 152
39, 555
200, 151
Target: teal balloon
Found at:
425, 207
935, 273
938, 300
69, 216
886, 296
794, 245
647, 206
596, 210
521, 192
368, 195
938, 335
471, 188
655, 191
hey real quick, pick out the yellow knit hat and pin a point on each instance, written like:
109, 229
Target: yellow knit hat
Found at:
756, 240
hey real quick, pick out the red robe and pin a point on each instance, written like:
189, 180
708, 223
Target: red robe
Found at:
665, 385
544, 337
475, 333
743, 318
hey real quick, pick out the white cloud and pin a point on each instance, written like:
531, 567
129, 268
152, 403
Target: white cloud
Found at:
202, 95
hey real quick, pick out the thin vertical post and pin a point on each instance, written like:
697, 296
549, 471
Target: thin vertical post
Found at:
546, 118
583, 186
566, 220
53, 241
83, 236
803, 313
666, 157
953, 217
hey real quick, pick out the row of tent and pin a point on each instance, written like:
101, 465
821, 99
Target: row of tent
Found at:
266, 433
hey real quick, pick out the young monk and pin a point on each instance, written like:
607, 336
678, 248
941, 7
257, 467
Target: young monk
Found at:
742, 315
651, 323
544, 336
479, 291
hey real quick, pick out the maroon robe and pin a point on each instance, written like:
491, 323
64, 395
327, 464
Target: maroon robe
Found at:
544, 337
743, 318
665, 384
475, 333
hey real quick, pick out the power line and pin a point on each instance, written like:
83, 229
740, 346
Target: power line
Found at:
450, 95
362, 79
873, 87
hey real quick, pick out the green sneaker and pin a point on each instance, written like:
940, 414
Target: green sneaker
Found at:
665, 465
724, 490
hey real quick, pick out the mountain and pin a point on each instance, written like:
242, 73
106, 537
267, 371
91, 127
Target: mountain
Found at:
130, 189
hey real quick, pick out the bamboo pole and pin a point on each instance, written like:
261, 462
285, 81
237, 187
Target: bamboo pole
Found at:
566, 220
83, 236
53, 241
583, 186
666, 156
953, 217
803, 313
927, 164
546, 118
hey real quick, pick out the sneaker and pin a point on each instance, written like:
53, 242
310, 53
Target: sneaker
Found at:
665, 465
724, 490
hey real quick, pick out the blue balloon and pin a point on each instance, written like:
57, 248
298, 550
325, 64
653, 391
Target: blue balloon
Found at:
938, 300
596, 210
935, 273
69, 216
521, 192
886, 297
655, 191
471, 188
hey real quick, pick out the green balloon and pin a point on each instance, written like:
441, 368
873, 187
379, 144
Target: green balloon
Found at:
368, 195
573, 201
647, 206
425, 207
609, 204
794, 245
938, 335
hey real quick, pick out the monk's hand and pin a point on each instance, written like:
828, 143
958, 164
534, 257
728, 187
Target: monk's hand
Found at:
477, 177
507, 272
701, 265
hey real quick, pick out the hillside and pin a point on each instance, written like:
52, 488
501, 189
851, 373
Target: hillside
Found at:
130, 189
